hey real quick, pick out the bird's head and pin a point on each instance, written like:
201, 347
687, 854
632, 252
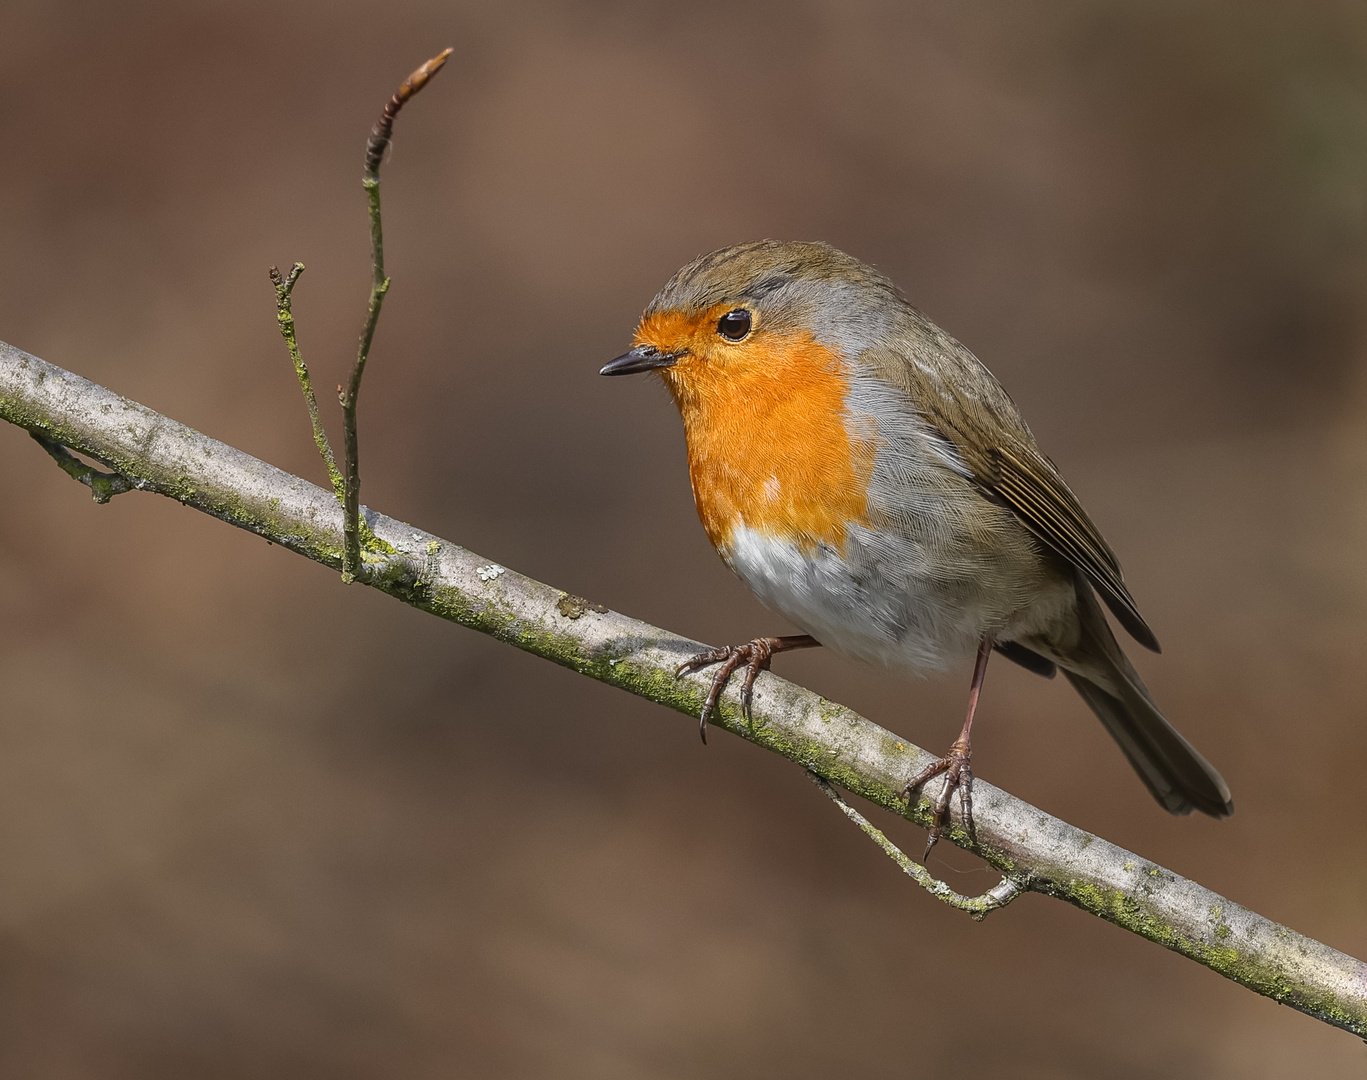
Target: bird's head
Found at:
758, 314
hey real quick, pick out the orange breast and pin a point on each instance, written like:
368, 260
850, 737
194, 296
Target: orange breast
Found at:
768, 445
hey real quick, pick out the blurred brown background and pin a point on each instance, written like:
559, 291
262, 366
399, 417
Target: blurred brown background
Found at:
256, 824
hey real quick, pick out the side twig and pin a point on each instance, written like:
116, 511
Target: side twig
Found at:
284, 289
998, 896
103, 485
380, 136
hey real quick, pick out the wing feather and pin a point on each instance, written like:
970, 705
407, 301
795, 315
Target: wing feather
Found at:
1028, 483
962, 400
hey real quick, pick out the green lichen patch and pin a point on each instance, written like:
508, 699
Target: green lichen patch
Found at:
1249, 967
575, 607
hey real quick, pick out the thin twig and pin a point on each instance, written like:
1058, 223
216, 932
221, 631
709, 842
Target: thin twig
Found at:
998, 896
446, 580
284, 288
103, 485
380, 136
383, 130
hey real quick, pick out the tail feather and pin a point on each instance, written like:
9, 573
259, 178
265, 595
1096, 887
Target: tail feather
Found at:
1179, 777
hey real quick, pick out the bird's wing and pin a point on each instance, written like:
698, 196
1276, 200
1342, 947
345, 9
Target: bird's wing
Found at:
1027, 482
955, 393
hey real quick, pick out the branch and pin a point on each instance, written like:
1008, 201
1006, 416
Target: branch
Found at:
284, 313
380, 136
103, 485
1039, 852
998, 896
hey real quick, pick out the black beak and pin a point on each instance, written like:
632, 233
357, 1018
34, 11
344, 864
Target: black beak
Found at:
641, 358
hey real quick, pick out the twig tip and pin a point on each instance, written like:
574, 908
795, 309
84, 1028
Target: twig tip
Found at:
418, 79
383, 130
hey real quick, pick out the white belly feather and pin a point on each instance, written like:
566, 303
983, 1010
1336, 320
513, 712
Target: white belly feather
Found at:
818, 592
903, 615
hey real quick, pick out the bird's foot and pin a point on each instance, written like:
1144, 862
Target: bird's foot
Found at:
958, 776
755, 656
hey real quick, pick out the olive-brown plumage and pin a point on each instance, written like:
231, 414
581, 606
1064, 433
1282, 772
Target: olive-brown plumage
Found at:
868, 477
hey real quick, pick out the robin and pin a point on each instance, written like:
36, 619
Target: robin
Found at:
870, 479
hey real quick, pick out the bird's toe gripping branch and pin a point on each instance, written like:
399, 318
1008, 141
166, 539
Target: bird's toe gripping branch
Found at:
754, 655
958, 777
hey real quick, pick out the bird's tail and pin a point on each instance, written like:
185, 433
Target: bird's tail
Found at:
1179, 777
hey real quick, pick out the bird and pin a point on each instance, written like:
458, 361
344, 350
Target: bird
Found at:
869, 479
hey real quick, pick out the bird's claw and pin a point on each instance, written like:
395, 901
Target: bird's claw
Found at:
754, 655
958, 776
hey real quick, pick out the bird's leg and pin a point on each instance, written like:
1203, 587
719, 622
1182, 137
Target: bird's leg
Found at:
955, 766
755, 655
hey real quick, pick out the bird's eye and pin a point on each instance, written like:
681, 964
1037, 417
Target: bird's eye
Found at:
734, 325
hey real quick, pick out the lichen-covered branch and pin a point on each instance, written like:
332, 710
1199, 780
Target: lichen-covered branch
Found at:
1040, 852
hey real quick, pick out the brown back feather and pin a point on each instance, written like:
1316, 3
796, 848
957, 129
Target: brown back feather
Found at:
965, 403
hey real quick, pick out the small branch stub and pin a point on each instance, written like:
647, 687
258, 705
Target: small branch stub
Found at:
103, 485
998, 896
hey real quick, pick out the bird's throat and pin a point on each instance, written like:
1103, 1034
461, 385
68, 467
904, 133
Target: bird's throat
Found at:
769, 446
